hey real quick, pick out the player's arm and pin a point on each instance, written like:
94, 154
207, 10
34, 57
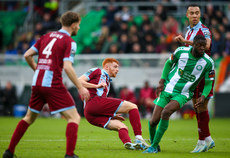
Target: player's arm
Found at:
164, 75
84, 81
181, 39
209, 79
29, 58
68, 68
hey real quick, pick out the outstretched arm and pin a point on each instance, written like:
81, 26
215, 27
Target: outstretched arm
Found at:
181, 39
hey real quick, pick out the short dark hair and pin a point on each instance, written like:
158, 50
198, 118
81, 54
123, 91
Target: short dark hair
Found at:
199, 37
193, 5
69, 17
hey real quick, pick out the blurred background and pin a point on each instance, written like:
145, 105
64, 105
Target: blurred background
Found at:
140, 34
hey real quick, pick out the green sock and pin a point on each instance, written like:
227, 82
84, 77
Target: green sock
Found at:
162, 127
152, 131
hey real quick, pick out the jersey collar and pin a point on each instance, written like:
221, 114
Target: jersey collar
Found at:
106, 74
64, 31
196, 26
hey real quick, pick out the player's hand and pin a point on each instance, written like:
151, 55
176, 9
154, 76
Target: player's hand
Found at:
200, 101
84, 93
102, 85
160, 87
119, 117
180, 39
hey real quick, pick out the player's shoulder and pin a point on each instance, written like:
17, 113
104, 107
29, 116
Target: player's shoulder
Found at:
204, 28
182, 49
208, 58
95, 69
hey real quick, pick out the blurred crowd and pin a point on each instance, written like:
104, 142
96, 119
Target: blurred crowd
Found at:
122, 32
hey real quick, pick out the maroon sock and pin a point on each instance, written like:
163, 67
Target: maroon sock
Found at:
124, 135
201, 137
204, 121
18, 133
71, 137
134, 118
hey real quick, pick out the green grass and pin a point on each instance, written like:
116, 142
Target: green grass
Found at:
46, 139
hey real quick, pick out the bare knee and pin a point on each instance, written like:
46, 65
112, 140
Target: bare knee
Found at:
127, 106
71, 115
122, 126
75, 118
29, 119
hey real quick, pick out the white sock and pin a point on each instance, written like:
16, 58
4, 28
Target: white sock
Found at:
201, 142
208, 139
138, 137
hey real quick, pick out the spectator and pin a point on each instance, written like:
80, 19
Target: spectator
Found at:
170, 28
147, 95
217, 45
161, 12
113, 49
157, 25
125, 13
150, 49
123, 42
128, 95
227, 45
136, 48
9, 98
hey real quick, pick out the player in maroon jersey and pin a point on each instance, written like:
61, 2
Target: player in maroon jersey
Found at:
205, 141
55, 51
103, 111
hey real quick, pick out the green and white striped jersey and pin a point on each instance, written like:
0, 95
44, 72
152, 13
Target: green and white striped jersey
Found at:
187, 71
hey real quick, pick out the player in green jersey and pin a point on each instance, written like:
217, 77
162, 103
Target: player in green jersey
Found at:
181, 74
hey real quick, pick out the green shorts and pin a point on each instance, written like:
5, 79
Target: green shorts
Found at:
166, 97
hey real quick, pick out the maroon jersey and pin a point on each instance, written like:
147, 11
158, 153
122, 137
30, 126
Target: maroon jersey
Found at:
52, 48
97, 76
199, 29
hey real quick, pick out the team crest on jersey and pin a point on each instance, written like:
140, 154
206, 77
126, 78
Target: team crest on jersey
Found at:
199, 67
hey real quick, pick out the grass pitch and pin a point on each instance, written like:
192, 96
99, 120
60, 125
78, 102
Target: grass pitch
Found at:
46, 139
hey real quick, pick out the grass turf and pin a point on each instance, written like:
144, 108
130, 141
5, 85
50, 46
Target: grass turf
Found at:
46, 139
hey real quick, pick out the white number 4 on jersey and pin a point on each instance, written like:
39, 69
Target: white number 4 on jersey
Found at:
47, 51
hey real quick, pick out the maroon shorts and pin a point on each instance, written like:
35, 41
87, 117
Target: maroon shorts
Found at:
199, 89
99, 110
58, 99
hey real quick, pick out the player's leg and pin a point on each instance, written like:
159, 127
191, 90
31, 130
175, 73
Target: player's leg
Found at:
123, 134
205, 141
73, 119
19, 132
169, 109
155, 118
134, 118
60, 100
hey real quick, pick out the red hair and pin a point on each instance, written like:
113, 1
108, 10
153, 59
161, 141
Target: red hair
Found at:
109, 60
